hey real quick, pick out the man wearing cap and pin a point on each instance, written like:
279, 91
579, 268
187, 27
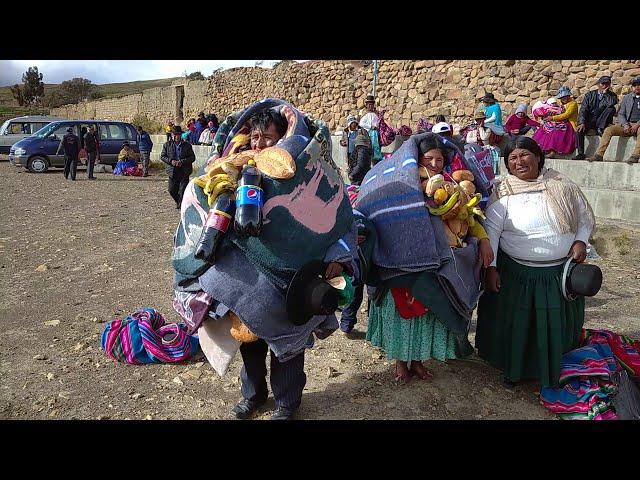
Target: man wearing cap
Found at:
179, 157
629, 121
445, 130
359, 151
596, 112
71, 146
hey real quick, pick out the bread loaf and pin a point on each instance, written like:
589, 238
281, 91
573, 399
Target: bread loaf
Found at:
239, 330
460, 175
276, 162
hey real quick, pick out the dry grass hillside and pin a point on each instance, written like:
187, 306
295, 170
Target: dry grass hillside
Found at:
9, 108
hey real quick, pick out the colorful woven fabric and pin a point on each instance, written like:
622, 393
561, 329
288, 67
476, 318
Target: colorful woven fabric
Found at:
586, 384
625, 350
140, 339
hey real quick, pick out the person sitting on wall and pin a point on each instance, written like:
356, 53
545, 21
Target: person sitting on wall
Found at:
629, 121
596, 113
519, 123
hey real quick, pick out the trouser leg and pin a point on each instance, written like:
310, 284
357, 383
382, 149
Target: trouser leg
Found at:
524, 130
74, 167
90, 163
254, 371
287, 381
636, 150
349, 314
144, 156
67, 166
174, 187
610, 131
181, 188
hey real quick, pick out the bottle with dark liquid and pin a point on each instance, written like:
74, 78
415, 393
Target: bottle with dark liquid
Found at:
249, 201
216, 225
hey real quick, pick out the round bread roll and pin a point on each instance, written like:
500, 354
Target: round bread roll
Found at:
449, 187
468, 187
460, 175
276, 162
240, 331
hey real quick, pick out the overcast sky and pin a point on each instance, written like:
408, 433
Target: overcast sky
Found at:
114, 71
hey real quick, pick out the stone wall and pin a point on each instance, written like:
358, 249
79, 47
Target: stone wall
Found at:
332, 89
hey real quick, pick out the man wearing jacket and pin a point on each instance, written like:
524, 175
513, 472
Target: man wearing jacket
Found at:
179, 157
359, 152
71, 147
144, 145
629, 121
91, 146
596, 112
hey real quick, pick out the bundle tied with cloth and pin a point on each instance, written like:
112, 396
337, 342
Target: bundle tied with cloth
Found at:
306, 217
412, 248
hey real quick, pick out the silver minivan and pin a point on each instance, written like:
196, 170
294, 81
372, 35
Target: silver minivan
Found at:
15, 129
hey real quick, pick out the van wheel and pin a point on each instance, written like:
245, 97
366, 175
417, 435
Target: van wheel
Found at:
38, 164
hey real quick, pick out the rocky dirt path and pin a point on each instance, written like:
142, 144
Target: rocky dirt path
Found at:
75, 255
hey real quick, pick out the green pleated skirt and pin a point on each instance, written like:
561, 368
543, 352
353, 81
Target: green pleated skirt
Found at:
419, 338
526, 327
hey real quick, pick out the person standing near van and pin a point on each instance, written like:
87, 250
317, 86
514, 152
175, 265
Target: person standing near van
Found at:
144, 145
71, 146
179, 157
91, 146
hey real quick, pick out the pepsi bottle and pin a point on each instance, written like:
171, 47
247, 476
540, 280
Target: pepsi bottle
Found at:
215, 227
249, 201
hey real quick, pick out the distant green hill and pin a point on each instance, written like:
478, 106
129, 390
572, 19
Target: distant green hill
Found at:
107, 89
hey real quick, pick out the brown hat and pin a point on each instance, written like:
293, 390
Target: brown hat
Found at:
479, 114
488, 97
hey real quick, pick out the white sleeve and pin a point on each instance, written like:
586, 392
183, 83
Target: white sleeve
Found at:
491, 119
484, 133
494, 224
585, 224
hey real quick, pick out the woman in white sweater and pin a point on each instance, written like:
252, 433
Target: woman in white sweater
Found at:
536, 220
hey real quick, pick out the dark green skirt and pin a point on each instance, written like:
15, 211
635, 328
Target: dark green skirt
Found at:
526, 327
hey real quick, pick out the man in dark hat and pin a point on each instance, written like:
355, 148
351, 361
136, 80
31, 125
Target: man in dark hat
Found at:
71, 146
596, 113
628, 120
179, 157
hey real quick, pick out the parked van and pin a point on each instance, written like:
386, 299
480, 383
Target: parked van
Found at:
43, 149
15, 129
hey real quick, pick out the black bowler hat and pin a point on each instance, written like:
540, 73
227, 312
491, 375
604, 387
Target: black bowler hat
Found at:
309, 294
370, 98
176, 130
604, 79
580, 279
488, 97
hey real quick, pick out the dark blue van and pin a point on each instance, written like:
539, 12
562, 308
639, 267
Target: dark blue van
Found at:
43, 149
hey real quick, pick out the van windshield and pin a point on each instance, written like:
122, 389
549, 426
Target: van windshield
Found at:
46, 130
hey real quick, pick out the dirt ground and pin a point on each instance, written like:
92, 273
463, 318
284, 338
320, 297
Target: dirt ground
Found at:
106, 246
